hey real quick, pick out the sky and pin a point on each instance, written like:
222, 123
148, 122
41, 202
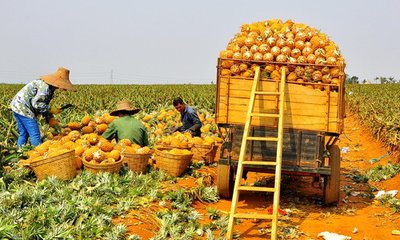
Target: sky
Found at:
177, 41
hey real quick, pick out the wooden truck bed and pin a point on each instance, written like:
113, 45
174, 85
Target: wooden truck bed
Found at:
306, 108
313, 120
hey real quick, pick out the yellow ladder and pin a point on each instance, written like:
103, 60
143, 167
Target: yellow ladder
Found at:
277, 163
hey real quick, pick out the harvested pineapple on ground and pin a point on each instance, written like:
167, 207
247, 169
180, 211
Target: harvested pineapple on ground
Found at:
159, 123
89, 147
185, 140
84, 137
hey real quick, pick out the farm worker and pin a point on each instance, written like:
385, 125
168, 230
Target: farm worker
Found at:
33, 100
190, 120
126, 126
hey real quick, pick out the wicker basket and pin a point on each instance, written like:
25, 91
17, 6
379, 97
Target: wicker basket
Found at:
62, 166
218, 152
173, 164
166, 146
109, 167
204, 153
136, 162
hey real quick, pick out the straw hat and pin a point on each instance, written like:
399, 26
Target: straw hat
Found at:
59, 79
125, 106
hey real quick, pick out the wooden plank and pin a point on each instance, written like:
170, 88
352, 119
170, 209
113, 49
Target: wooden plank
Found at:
253, 215
305, 108
235, 117
288, 102
239, 171
297, 122
296, 114
245, 86
241, 83
256, 189
294, 109
310, 96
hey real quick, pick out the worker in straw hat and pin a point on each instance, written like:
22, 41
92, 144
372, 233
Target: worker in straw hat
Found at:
33, 100
127, 126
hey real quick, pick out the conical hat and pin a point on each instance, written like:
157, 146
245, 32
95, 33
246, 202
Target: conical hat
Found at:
59, 79
125, 106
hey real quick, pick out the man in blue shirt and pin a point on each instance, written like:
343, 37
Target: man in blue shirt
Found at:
190, 120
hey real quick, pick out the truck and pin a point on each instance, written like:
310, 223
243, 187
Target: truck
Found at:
313, 122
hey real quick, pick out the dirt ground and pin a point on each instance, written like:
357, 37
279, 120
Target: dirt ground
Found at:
305, 216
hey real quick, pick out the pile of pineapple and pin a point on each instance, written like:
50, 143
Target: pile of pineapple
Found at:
158, 123
314, 56
84, 137
186, 140
89, 147
177, 151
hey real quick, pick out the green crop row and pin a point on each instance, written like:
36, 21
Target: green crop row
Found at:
90, 99
378, 108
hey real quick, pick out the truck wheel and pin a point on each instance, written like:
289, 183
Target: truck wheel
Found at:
225, 181
332, 182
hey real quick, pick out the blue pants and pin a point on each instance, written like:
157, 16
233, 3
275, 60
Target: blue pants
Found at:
27, 127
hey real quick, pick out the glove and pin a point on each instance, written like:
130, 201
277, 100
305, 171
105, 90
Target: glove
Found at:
47, 116
176, 129
50, 120
53, 122
189, 131
54, 110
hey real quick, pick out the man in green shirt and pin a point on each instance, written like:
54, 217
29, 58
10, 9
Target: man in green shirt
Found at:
126, 126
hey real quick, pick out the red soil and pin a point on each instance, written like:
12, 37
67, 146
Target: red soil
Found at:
354, 216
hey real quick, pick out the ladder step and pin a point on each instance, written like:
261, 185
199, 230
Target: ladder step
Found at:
272, 139
272, 115
277, 95
252, 215
261, 163
256, 189
267, 93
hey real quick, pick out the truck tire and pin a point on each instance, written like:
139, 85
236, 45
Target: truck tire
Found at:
332, 182
225, 181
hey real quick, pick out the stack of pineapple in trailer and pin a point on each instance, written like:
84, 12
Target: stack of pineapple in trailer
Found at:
70, 147
289, 79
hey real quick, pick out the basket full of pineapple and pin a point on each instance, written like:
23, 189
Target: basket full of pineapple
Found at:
137, 158
174, 161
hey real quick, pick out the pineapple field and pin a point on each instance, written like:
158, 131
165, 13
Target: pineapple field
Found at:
85, 209
158, 201
379, 109
87, 206
154, 101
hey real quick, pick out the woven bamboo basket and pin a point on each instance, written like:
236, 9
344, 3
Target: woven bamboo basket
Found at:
218, 153
137, 162
204, 153
173, 164
109, 167
62, 166
166, 146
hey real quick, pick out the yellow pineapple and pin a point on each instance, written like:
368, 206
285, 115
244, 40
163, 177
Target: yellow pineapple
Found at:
105, 145
115, 154
143, 150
